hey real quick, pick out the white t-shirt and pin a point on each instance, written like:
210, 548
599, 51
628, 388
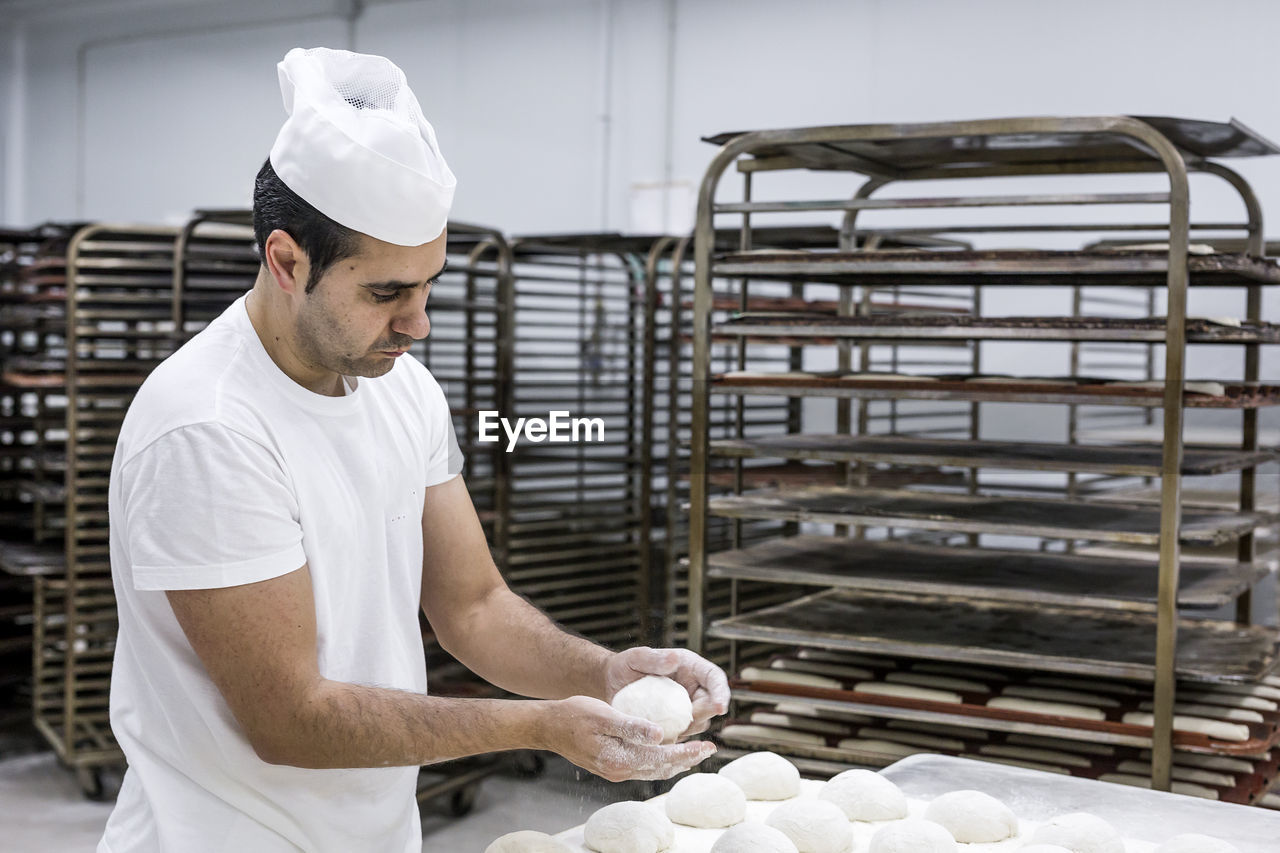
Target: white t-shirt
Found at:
227, 472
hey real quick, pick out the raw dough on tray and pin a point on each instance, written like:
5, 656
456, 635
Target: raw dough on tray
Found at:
1081, 833
801, 679
880, 747
1195, 843
1052, 709
863, 795
1213, 728
629, 827
746, 732
907, 691
763, 776
973, 816
526, 841
753, 838
706, 800
814, 826
912, 836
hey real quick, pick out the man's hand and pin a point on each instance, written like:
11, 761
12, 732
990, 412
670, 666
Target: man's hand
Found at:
614, 746
708, 688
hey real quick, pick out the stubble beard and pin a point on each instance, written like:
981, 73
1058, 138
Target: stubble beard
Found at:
315, 334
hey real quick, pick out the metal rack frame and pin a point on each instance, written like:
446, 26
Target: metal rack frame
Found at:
1092, 145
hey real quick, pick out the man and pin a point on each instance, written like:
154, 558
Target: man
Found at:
284, 497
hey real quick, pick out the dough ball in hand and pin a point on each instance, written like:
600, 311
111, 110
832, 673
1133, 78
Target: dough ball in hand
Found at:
1080, 833
912, 836
814, 826
526, 841
1195, 843
706, 800
972, 816
659, 700
629, 827
864, 795
753, 838
763, 776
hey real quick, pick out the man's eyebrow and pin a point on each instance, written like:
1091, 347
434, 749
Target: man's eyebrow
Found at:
405, 285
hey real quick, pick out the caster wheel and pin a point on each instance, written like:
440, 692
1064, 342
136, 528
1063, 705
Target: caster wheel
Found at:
528, 765
90, 779
463, 800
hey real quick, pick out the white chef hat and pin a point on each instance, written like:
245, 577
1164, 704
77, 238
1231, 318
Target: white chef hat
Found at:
357, 148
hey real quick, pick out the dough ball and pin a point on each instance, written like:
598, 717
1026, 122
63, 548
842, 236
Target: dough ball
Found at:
629, 827
1080, 833
763, 776
1194, 843
658, 700
526, 841
864, 795
706, 800
973, 816
912, 836
814, 826
753, 838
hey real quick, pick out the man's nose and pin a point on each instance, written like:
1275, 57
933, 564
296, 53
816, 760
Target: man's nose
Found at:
414, 321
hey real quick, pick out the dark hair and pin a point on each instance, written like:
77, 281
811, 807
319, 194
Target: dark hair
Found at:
324, 241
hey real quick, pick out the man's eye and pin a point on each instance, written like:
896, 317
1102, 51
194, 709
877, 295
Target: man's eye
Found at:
386, 297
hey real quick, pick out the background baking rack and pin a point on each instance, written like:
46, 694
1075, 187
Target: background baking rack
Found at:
901, 599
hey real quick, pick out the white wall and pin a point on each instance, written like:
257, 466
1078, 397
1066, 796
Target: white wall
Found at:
550, 110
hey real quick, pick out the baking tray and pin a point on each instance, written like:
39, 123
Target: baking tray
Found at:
1152, 816
891, 154
1105, 643
1133, 460
1017, 267
967, 327
988, 573
1013, 516
1237, 395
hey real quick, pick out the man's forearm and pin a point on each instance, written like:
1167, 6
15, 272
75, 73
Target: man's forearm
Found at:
511, 644
342, 725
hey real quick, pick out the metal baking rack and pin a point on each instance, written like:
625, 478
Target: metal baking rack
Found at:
965, 627
669, 276
119, 321
31, 329
575, 535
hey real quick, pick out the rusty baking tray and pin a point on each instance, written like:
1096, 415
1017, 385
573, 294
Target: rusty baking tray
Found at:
791, 475
1132, 460
892, 155
796, 306
1019, 267
968, 327
1006, 389
1012, 516
1033, 577
1107, 643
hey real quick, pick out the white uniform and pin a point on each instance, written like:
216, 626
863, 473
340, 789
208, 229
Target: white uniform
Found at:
227, 472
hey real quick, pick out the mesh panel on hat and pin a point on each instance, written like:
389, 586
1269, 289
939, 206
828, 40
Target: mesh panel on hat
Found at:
369, 85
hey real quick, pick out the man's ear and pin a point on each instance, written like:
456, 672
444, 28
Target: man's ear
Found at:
286, 262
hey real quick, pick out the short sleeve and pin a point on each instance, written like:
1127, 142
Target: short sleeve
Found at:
205, 507
444, 457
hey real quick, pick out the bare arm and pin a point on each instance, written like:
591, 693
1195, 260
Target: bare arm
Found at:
510, 643
480, 621
258, 643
